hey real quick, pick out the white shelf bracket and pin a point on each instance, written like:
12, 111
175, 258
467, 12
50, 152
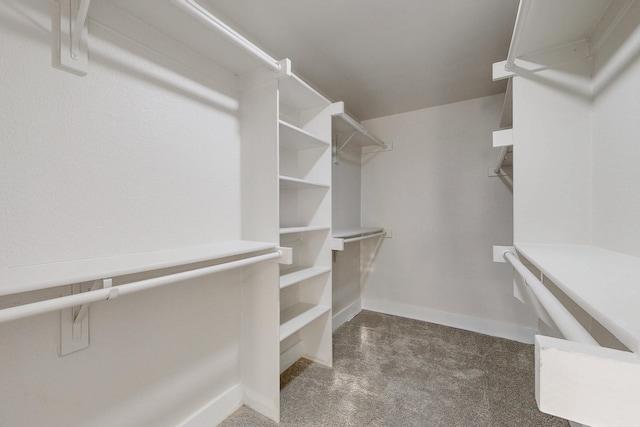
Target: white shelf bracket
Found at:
70, 32
84, 308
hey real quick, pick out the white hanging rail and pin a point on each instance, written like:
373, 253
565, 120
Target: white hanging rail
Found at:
564, 320
194, 9
518, 31
106, 294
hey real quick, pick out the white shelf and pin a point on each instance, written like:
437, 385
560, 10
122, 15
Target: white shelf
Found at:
606, 284
345, 126
303, 229
298, 274
297, 94
346, 233
553, 23
294, 138
298, 316
299, 184
40, 276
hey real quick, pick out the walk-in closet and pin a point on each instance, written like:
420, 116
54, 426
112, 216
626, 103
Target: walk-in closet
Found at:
319, 213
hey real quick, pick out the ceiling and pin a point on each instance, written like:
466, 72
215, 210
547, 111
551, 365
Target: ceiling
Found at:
380, 57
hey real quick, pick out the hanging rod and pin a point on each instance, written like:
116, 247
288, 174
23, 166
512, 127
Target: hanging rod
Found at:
503, 156
194, 9
564, 320
107, 294
518, 30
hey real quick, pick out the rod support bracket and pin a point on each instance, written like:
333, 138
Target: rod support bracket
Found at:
70, 34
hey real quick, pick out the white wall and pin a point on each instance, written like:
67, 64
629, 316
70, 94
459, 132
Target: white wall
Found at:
433, 192
616, 133
142, 154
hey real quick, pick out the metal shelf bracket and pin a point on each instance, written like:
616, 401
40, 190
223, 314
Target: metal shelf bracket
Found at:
70, 32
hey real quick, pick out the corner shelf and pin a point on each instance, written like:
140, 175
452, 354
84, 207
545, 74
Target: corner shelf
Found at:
300, 184
303, 229
299, 274
298, 316
604, 283
294, 138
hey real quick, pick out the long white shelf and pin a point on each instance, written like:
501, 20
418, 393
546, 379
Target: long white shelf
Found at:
298, 316
303, 229
606, 284
294, 138
298, 274
40, 276
300, 184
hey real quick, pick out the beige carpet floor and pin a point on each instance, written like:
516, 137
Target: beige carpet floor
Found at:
396, 372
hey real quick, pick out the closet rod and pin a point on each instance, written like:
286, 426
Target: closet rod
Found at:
194, 9
503, 155
518, 30
368, 236
564, 320
106, 294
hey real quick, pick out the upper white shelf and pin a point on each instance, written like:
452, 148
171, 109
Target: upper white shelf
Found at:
294, 138
553, 23
303, 229
353, 132
40, 276
298, 95
606, 284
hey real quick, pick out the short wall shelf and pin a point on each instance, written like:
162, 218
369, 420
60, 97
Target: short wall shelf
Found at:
294, 138
298, 316
346, 235
298, 274
303, 229
300, 184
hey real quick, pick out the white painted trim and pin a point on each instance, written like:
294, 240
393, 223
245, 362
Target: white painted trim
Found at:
346, 314
509, 331
215, 411
259, 403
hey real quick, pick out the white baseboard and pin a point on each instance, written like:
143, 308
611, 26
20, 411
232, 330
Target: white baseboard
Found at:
215, 411
346, 314
512, 332
259, 403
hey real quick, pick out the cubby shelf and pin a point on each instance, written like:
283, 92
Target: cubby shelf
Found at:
294, 138
298, 316
303, 229
300, 184
299, 274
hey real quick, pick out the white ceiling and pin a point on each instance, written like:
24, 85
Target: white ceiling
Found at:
380, 57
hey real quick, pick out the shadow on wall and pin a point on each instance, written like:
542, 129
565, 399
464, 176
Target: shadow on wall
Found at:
370, 249
32, 22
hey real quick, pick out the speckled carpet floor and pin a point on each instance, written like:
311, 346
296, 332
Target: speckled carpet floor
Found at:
396, 372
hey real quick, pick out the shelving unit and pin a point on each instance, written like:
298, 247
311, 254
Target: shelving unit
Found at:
304, 153
571, 77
